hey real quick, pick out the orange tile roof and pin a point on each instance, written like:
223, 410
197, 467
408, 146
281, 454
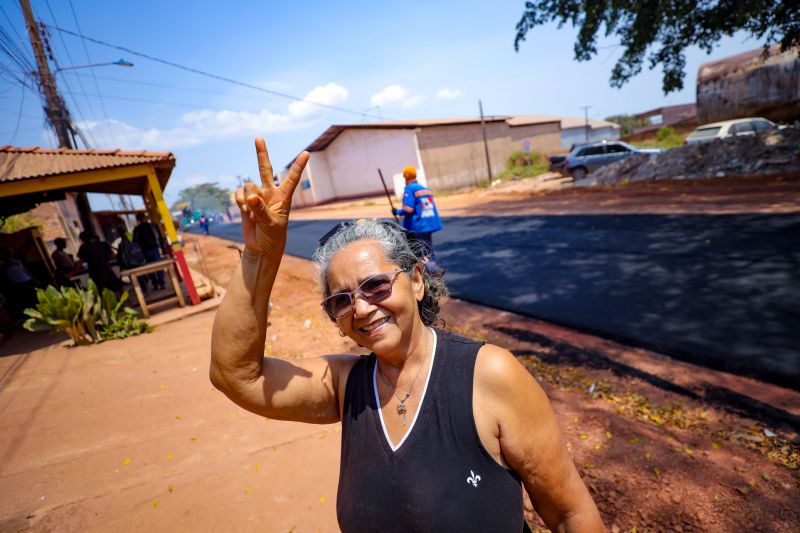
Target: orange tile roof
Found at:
18, 163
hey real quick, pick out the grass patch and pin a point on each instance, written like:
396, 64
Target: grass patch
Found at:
666, 138
521, 165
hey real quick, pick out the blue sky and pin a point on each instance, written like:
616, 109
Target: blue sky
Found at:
413, 59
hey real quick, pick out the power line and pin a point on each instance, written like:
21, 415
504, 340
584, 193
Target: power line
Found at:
174, 87
146, 101
45, 35
215, 76
66, 81
19, 35
96, 86
14, 52
19, 116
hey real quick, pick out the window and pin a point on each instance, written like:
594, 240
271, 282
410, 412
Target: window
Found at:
590, 151
762, 125
705, 133
742, 128
616, 149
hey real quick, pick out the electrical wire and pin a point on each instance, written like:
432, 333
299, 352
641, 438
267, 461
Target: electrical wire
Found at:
89, 59
79, 112
215, 76
3, 11
14, 52
19, 116
158, 102
173, 87
45, 34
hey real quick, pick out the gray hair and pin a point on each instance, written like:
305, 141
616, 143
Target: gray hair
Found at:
399, 250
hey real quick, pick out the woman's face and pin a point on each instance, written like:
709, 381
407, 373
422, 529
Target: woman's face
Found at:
381, 327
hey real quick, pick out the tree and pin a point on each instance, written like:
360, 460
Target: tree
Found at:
206, 197
668, 25
627, 123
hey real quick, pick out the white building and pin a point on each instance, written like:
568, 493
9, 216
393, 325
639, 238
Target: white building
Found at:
448, 153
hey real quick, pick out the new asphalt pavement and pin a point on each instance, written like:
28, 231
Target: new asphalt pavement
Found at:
717, 290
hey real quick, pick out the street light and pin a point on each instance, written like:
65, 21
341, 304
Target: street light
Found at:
119, 62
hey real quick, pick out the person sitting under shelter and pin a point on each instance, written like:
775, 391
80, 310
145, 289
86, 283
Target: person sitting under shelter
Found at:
98, 255
147, 236
16, 282
65, 263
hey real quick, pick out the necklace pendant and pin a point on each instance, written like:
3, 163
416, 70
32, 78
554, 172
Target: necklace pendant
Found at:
401, 408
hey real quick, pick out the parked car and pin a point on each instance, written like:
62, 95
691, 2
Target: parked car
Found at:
586, 158
557, 163
730, 128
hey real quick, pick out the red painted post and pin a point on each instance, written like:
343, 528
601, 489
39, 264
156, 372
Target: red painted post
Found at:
187, 277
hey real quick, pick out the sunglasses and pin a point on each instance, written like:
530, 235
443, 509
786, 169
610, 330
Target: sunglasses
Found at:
374, 289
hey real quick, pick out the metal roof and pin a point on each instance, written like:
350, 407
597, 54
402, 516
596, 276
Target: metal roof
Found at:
24, 163
328, 136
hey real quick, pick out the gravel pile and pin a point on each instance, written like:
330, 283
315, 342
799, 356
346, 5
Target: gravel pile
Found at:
768, 153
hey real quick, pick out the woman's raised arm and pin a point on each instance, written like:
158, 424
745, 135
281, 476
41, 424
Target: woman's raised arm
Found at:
302, 390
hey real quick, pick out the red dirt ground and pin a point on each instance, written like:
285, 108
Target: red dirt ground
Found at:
129, 435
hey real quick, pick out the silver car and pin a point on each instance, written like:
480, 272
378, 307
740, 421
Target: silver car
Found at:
730, 128
586, 158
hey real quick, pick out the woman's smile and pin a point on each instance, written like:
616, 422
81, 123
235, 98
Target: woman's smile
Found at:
374, 327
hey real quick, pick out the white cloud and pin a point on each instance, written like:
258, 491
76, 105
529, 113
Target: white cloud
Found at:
391, 94
330, 94
204, 125
448, 94
395, 95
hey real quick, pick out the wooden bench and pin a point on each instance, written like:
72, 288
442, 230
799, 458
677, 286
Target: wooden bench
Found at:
149, 268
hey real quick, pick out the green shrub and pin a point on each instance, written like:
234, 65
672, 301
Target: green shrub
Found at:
520, 159
666, 138
87, 316
664, 133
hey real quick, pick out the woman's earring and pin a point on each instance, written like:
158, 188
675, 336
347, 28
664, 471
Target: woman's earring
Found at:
341, 333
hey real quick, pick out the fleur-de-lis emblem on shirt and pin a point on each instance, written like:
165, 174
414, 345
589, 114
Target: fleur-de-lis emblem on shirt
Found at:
473, 479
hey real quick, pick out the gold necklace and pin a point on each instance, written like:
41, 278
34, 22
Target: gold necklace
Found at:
401, 407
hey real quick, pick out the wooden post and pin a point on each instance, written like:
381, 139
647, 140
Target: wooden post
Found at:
172, 234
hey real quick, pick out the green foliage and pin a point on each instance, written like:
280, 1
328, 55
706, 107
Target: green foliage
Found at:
520, 159
205, 197
666, 138
15, 223
664, 133
522, 165
665, 26
627, 123
87, 316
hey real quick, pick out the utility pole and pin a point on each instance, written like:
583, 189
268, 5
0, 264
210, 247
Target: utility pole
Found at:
55, 109
485, 142
586, 120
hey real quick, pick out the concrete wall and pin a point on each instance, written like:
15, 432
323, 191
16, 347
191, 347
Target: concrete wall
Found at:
348, 167
543, 138
578, 135
454, 155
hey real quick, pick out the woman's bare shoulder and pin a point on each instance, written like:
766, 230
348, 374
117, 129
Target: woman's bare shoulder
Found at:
498, 370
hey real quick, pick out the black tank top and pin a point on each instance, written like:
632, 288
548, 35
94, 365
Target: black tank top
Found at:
440, 478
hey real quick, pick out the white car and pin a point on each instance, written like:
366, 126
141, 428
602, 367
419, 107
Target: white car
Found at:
730, 128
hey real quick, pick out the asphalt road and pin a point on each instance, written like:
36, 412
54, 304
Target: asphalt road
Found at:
718, 290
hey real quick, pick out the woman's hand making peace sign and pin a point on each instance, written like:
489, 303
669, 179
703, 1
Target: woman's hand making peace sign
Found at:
265, 209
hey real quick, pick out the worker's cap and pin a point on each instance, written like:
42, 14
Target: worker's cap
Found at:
409, 172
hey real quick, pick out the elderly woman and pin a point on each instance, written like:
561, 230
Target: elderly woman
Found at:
438, 432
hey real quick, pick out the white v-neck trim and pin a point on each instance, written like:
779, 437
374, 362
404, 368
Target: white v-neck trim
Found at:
421, 399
